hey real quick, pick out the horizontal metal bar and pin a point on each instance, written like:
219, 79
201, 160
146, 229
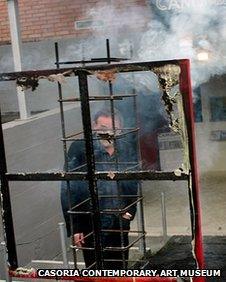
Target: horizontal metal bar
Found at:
80, 212
92, 265
95, 60
105, 211
127, 129
73, 135
99, 98
81, 248
122, 67
117, 249
51, 176
134, 165
103, 135
79, 205
112, 59
140, 175
125, 231
131, 163
112, 248
35, 261
131, 167
121, 211
78, 167
132, 261
146, 263
103, 197
103, 175
118, 196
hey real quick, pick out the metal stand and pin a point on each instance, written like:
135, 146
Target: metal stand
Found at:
164, 222
63, 244
7, 277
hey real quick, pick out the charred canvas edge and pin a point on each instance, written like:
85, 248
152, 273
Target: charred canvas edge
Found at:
168, 77
30, 78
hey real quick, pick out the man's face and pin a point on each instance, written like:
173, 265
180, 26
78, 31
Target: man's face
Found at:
104, 127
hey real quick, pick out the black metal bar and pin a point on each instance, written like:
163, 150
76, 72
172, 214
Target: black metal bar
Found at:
112, 59
130, 163
117, 231
73, 135
131, 167
107, 211
141, 175
86, 120
92, 60
107, 135
192, 210
140, 207
124, 210
78, 167
126, 247
100, 197
122, 67
99, 98
128, 175
5, 205
115, 144
63, 129
108, 51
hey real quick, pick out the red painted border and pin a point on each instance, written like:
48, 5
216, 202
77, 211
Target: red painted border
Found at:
33, 275
186, 90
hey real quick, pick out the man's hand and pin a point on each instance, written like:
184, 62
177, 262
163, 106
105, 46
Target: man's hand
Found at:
127, 215
79, 239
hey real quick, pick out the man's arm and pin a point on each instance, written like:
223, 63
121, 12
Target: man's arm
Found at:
131, 188
75, 190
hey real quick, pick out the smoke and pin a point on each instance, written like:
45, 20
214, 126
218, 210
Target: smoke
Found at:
6, 59
168, 30
118, 19
196, 31
117, 22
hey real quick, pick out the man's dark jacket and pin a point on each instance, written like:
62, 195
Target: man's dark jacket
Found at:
79, 190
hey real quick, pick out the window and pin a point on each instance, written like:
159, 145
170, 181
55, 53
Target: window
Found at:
197, 105
217, 108
88, 24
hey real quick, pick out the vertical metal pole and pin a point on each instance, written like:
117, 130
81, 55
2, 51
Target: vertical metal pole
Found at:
5, 206
86, 120
3, 244
192, 211
140, 205
119, 192
62, 119
164, 223
16, 48
63, 244
7, 277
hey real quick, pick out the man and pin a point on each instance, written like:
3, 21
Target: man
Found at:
108, 157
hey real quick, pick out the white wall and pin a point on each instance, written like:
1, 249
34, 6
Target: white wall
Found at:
211, 154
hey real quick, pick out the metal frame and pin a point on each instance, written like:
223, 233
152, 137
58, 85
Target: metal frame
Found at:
27, 78
85, 99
